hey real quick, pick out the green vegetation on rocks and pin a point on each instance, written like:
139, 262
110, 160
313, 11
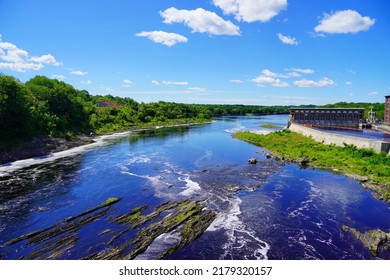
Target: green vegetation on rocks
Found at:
270, 126
348, 159
375, 240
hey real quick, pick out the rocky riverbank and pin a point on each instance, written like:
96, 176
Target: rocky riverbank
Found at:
290, 147
45, 145
377, 241
40, 147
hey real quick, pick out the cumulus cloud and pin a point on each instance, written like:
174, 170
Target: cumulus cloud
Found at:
154, 82
294, 74
303, 71
127, 83
287, 40
88, 82
252, 10
269, 77
236, 81
78, 73
58, 77
169, 83
201, 21
348, 83
162, 37
310, 83
347, 21
16, 59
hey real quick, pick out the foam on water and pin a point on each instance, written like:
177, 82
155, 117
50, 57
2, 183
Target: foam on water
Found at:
191, 186
160, 244
100, 141
236, 129
241, 239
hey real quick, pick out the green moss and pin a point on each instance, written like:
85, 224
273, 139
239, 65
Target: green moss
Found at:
111, 200
270, 126
135, 217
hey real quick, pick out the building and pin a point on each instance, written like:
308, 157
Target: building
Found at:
328, 117
387, 110
108, 104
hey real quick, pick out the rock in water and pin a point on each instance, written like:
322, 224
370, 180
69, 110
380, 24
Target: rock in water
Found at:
304, 161
252, 161
374, 240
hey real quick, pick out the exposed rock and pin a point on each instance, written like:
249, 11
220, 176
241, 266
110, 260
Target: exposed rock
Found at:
69, 224
304, 161
375, 240
192, 230
252, 161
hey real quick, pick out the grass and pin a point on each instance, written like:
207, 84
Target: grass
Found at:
270, 126
348, 159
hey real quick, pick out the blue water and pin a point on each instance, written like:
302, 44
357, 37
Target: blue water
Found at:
274, 212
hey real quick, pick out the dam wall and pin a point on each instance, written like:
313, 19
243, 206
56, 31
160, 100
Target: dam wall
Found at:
340, 140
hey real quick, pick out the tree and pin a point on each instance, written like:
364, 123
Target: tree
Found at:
14, 109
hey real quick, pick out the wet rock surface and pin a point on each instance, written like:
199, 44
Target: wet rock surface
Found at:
377, 241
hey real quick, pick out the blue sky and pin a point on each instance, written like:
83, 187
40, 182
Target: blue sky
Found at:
266, 52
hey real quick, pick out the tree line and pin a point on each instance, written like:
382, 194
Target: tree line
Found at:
44, 106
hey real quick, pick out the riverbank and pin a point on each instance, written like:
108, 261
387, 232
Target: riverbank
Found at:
370, 169
45, 145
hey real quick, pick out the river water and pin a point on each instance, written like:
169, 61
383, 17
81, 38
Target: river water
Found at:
264, 211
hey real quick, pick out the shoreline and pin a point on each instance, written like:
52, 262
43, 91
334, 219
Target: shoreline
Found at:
379, 191
46, 146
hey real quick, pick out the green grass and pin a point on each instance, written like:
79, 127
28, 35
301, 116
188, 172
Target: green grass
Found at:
270, 126
348, 159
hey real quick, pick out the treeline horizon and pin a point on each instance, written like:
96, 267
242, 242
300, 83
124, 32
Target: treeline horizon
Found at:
49, 107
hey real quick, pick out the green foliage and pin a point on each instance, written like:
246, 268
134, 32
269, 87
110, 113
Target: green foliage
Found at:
15, 112
270, 126
349, 159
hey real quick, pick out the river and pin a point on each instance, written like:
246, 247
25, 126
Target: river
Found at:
264, 211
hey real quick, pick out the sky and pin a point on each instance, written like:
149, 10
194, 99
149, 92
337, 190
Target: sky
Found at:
260, 52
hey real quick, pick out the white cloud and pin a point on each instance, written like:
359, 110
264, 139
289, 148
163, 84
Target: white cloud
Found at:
88, 82
236, 81
16, 59
252, 10
347, 21
351, 94
287, 40
78, 73
1, 37
46, 59
195, 89
58, 77
373, 93
269, 77
175, 83
303, 71
154, 82
127, 83
165, 38
201, 21
348, 83
294, 74
310, 83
